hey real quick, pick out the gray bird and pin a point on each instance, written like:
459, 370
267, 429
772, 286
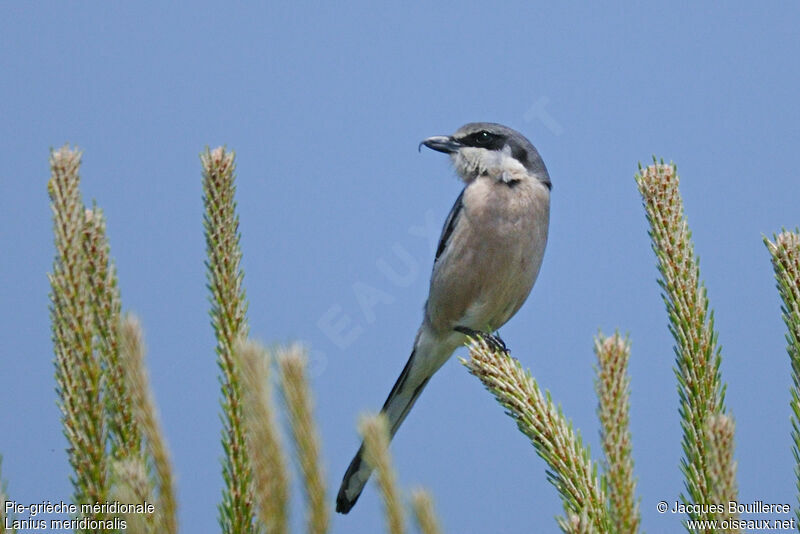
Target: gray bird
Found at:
487, 260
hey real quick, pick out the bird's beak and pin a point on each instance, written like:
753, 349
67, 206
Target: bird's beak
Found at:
441, 143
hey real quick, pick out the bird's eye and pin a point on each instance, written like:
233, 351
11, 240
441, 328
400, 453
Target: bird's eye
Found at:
483, 137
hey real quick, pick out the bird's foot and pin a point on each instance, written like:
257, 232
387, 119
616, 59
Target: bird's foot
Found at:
497, 341
494, 340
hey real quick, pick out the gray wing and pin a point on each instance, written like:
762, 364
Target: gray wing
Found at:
449, 225
449, 294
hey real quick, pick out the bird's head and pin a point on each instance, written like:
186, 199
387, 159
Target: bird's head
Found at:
487, 148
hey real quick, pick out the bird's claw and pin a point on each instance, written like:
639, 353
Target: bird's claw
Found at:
493, 340
498, 343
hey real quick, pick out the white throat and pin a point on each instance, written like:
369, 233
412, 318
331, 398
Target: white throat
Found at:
471, 162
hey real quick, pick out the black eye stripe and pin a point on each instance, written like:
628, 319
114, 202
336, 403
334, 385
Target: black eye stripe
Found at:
483, 139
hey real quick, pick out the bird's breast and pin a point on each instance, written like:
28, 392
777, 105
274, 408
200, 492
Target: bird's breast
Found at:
496, 253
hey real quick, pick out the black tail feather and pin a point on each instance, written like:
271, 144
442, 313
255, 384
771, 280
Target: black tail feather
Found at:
343, 504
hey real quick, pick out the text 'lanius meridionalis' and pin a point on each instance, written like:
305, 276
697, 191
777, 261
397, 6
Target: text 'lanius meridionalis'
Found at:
487, 260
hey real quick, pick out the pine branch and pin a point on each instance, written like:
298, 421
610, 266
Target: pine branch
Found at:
719, 434
79, 375
228, 317
270, 472
613, 392
785, 254
143, 409
375, 431
297, 395
132, 485
570, 468
424, 513
700, 387
123, 432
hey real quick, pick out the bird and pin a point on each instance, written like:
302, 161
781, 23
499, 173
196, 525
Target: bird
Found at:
487, 260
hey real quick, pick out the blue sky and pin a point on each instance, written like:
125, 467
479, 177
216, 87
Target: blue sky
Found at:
325, 106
